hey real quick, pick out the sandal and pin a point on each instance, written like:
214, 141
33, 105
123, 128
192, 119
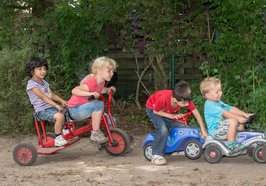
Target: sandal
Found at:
158, 160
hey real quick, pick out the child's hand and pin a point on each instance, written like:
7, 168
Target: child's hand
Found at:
204, 134
242, 119
247, 115
64, 103
59, 108
178, 116
111, 88
96, 95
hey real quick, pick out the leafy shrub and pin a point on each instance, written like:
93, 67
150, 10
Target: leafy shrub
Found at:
15, 110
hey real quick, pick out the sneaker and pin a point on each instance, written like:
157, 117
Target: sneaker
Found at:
98, 137
65, 131
100, 132
60, 141
158, 160
236, 148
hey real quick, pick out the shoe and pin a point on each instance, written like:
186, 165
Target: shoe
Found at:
100, 132
98, 137
158, 160
60, 141
65, 131
236, 148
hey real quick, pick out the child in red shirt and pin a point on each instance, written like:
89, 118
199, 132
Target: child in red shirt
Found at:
161, 108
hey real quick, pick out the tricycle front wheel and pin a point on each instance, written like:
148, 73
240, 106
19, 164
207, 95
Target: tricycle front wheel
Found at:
120, 144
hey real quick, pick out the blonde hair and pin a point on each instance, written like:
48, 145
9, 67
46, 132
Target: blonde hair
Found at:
207, 83
103, 62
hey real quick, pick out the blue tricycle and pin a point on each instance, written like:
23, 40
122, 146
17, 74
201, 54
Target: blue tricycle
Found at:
187, 140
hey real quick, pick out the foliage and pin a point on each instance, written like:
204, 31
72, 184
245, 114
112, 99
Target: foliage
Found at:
15, 110
227, 37
237, 54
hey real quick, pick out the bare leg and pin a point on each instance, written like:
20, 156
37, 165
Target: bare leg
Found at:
231, 135
241, 127
59, 122
96, 119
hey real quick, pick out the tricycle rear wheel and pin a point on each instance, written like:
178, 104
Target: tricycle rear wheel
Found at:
121, 143
24, 154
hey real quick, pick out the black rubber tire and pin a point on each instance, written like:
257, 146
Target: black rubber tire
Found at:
131, 138
24, 154
147, 151
257, 154
50, 135
264, 152
193, 149
123, 143
212, 154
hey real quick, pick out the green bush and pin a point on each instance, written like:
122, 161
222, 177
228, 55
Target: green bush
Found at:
15, 109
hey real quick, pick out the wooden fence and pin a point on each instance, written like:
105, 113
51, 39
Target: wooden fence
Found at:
127, 78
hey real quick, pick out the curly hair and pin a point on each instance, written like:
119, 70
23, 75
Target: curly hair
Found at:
103, 62
33, 63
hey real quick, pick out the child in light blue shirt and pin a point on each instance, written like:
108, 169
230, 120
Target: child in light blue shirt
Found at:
222, 119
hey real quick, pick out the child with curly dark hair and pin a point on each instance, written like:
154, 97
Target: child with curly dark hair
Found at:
44, 101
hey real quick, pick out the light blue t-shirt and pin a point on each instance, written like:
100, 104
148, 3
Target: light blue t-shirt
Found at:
213, 111
37, 102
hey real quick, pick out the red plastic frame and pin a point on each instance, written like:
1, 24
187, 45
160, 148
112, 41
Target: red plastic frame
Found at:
184, 118
46, 143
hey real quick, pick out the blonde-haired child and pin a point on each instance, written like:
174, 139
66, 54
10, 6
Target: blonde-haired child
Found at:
222, 119
81, 107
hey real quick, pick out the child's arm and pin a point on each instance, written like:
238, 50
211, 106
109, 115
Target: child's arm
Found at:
235, 114
200, 122
59, 99
165, 114
46, 99
237, 111
107, 89
83, 90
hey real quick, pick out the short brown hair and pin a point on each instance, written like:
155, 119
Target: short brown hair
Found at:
206, 84
182, 91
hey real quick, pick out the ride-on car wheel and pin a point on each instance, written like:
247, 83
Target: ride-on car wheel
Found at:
121, 143
24, 154
264, 152
193, 149
148, 151
212, 154
257, 154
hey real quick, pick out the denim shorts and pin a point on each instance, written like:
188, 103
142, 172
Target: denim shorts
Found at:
47, 114
84, 111
221, 131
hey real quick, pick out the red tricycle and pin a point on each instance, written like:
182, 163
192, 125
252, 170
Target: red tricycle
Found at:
25, 154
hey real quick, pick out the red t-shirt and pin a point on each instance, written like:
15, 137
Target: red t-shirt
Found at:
93, 86
161, 100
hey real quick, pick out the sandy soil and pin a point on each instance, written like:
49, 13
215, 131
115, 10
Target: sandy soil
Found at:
83, 164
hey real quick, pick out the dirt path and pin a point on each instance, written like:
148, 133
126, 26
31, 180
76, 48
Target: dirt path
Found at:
83, 164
